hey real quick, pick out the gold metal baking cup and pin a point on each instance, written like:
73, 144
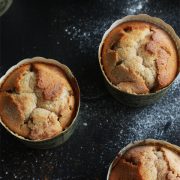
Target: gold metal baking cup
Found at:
154, 142
140, 99
63, 136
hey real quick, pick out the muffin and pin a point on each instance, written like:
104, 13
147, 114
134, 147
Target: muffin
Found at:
148, 161
139, 57
37, 100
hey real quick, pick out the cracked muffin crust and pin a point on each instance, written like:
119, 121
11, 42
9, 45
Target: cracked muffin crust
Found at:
148, 162
139, 57
37, 101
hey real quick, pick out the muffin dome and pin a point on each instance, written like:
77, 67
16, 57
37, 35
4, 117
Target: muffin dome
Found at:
139, 57
148, 162
37, 101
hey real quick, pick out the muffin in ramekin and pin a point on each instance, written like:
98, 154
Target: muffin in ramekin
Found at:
39, 102
146, 160
139, 58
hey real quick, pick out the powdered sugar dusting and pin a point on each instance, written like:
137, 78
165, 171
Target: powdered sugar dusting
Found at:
176, 84
157, 121
86, 34
135, 6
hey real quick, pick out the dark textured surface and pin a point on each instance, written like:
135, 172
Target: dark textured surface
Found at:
70, 31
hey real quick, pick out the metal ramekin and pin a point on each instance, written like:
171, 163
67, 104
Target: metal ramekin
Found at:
154, 142
139, 99
63, 136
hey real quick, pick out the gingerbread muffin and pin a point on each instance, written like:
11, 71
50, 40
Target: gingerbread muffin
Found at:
147, 162
37, 101
139, 57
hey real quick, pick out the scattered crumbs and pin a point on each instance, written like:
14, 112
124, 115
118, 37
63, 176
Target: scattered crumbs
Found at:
85, 124
15, 176
121, 131
42, 155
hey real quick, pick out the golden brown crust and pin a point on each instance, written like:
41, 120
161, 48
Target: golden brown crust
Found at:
49, 80
128, 81
126, 172
34, 91
147, 163
43, 124
12, 81
15, 110
146, 51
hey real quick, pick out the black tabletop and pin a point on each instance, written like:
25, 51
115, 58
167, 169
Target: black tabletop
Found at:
70, 31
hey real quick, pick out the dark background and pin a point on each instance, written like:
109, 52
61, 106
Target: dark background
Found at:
70, 31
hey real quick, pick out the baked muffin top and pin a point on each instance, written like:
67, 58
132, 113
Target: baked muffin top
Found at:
147, 163
37, 101
139, 57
